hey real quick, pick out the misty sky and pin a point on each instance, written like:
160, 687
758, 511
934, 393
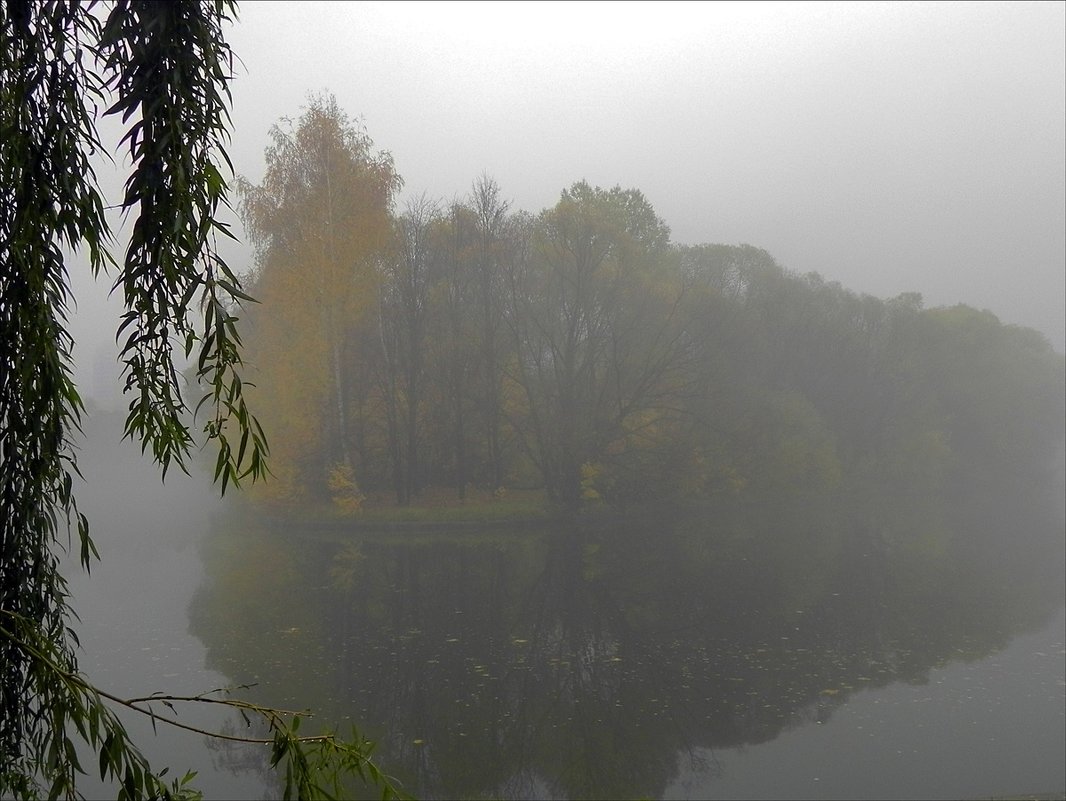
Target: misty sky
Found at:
890, 147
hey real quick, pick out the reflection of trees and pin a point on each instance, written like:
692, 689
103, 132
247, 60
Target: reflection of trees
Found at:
241, 758
587, 663
587, 709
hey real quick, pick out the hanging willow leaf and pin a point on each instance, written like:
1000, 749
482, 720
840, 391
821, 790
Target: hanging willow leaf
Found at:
164, 70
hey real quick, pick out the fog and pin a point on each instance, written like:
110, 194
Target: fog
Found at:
891, 147
517, 656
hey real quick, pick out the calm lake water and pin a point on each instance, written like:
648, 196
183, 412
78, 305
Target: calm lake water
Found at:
879, 649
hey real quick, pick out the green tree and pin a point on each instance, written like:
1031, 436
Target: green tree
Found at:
491, 245
452, 364
404, 310
465, 340
592, 319
164, 69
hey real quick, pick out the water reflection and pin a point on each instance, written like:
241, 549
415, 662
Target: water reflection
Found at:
605, 661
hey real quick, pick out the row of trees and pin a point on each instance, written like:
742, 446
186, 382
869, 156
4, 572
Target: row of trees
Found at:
579, 349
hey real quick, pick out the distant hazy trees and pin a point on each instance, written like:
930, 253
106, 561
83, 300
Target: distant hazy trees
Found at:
579, 350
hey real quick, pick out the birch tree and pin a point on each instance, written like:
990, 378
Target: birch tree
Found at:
320, 221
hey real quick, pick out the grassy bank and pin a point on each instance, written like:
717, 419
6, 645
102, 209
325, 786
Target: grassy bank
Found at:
442, 510
432, 509
437, 505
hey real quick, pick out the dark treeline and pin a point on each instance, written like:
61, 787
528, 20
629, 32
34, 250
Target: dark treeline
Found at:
469, 344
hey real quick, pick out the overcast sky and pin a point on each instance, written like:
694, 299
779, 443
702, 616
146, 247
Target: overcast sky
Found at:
891, 147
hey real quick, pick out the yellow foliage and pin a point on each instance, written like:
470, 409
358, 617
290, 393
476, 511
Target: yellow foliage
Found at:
320, 220
283, 486
589, 473
344, 490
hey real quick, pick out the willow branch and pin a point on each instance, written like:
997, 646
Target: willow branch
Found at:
273, 716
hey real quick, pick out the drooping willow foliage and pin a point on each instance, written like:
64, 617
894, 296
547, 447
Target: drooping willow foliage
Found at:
164, 69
